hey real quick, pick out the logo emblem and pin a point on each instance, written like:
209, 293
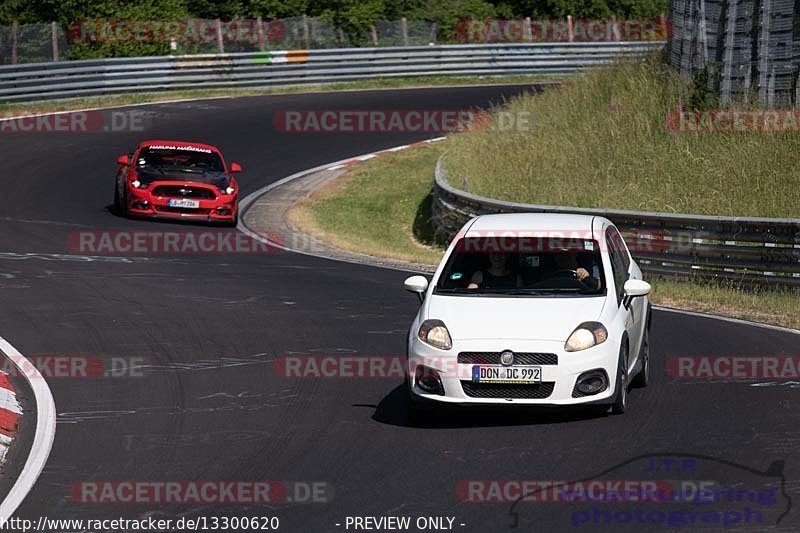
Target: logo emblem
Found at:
507, 358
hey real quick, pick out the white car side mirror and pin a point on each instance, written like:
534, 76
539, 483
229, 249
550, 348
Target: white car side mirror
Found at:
418, 284
636, 287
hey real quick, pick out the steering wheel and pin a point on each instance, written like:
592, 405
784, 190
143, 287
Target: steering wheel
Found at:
565, 273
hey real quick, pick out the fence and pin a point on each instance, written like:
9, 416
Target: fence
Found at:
33, 43
107, 38
751, 48
752, 251
296, 67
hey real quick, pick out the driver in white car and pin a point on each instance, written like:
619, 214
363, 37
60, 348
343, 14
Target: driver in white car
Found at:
568, 261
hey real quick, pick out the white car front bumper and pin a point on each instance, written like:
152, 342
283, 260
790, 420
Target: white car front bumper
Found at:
558, 385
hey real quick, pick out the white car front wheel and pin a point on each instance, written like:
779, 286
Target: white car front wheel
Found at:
621, 398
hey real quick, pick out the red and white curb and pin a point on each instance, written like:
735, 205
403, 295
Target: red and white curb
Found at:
43, 436
247, 201
10, 413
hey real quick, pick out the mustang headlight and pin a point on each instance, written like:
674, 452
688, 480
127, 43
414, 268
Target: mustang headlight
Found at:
585, 336
230, 190
138, 184
435, 333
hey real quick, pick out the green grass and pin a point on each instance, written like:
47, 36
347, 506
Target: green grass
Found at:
600, 140
382, 208
68, 104
774, 307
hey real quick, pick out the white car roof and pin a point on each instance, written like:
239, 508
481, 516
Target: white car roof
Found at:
535, 222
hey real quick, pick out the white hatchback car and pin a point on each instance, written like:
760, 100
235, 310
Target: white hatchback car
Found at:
530, 309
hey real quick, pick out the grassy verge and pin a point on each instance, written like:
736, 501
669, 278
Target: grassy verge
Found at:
380, 83
382, 207
601, 140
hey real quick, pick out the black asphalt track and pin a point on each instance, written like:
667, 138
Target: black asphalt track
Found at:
207, 328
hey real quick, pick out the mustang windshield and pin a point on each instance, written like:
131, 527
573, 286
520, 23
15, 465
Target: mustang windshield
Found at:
523, 266
182, 159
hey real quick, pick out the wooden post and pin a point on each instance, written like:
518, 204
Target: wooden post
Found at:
570, 32
220, 45
260, 23
404, 24
14, 43
374, 34
340, 33
54, 40
663, 30
526, 30
306, 33
434, 30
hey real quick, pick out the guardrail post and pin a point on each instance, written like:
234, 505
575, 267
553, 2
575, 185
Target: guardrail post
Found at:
54, 40
434, 29
220, 45
526, 30
404, 24
570, 31
260, 23
14, 44
306, 33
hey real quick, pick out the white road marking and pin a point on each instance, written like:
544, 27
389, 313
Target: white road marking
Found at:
43, 437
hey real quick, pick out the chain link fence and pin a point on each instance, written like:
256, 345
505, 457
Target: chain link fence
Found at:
746, 51
33, 43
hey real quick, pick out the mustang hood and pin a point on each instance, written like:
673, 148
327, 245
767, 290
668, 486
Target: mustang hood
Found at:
481, 317
149, 175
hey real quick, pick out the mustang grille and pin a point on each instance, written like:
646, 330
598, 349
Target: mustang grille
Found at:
504, 390
188, 211
174, 191
493, 358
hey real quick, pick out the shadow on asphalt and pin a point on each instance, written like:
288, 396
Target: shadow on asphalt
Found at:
393, 409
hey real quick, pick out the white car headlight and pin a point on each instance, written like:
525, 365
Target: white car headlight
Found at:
435, 333
585, 336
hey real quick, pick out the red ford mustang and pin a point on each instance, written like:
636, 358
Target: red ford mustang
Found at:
177, 180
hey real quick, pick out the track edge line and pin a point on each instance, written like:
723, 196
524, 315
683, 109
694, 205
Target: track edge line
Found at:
43, 437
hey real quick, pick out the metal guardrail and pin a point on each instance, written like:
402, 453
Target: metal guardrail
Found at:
36, 81
751, 251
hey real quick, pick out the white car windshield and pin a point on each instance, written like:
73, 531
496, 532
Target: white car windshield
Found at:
523, 266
